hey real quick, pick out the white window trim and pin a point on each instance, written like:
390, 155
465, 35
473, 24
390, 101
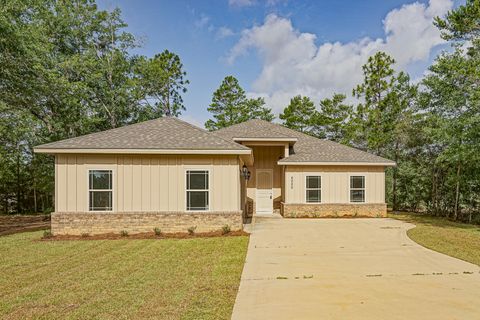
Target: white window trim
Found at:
364, 188
208, 190
305, 184
112, 189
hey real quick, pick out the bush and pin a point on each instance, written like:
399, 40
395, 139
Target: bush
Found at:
191, 230
47, 234
124, 233
226, 229
157, 231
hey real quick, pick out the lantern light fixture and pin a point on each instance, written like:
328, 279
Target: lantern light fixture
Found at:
246, 173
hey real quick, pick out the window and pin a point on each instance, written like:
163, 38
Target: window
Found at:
197, 190
314, 189
357, 189
100, 190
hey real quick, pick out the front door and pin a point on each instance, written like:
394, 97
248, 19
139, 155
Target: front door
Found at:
264, 191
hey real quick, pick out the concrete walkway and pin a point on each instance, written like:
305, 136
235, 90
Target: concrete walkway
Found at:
351, 269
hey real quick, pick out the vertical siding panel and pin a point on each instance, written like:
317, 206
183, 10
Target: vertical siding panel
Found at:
82, 186
137, 184
236, 177
128, 183
381, 178
172, 183
329, 187
154, 184
146, 188
163, 183
71, 183
217, 193
120, 182
62, 183
371, 187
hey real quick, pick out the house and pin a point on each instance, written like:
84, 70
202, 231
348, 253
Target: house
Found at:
168, 174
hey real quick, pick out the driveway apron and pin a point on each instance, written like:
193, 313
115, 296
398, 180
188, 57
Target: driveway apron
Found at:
351, 269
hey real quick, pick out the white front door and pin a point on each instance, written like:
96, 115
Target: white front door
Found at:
264, 191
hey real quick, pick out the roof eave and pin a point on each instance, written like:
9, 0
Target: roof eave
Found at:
335, 163
292, 140
141, 151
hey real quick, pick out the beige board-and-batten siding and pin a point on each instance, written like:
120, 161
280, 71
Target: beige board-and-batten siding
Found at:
335, 192
153, 185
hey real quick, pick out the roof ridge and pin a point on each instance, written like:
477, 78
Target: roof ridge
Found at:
212, 133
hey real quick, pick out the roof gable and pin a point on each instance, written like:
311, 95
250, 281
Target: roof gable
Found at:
307, 149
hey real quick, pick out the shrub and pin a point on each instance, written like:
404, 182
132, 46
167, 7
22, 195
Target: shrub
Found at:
226, 229
124, 233
157, 231
47, 234
191, 230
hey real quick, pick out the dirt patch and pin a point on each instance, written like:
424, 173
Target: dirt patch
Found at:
146, 235
10, 224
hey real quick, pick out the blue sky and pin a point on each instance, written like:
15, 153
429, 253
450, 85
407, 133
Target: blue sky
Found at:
279, 48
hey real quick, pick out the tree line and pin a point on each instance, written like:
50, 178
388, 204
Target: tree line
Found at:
67, 70
430, 128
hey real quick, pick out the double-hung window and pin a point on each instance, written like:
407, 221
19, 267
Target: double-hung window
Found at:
314, 189
100, 191
357, 189
197, 190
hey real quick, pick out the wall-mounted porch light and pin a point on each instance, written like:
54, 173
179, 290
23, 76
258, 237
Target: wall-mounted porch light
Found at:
245, 172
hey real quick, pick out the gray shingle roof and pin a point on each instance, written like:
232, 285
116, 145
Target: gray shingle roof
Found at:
163, 134
170, 133
306, 149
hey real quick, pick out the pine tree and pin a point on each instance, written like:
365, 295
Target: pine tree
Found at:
299, 114
230, 106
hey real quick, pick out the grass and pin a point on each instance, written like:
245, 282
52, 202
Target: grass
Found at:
119, 279
455, 239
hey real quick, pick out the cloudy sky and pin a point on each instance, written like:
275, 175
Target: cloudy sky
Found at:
281, 48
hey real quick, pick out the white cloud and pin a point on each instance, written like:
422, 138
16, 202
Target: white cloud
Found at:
224, 32
202, 21
241, 3
294, 64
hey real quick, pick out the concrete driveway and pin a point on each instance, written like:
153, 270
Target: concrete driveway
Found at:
351, 269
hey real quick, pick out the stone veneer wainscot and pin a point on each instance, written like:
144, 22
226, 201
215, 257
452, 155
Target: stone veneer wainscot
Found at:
77, 223
333, 210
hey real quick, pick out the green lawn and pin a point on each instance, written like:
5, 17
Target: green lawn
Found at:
119, 279
454, 239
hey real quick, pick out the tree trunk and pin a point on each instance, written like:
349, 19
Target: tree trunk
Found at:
434, 191
18, 191
34, 198
457, 193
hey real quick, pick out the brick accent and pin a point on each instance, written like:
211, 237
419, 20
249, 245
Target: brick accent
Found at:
76, 223
334, 210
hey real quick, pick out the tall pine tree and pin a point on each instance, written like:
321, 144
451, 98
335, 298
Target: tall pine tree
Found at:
230, 106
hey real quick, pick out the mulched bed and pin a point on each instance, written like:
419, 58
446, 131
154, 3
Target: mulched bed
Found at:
147, 235
10, 224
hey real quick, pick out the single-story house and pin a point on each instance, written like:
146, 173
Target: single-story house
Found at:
168, 174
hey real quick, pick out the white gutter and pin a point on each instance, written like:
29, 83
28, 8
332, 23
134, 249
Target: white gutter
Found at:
306, 163
139, 151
